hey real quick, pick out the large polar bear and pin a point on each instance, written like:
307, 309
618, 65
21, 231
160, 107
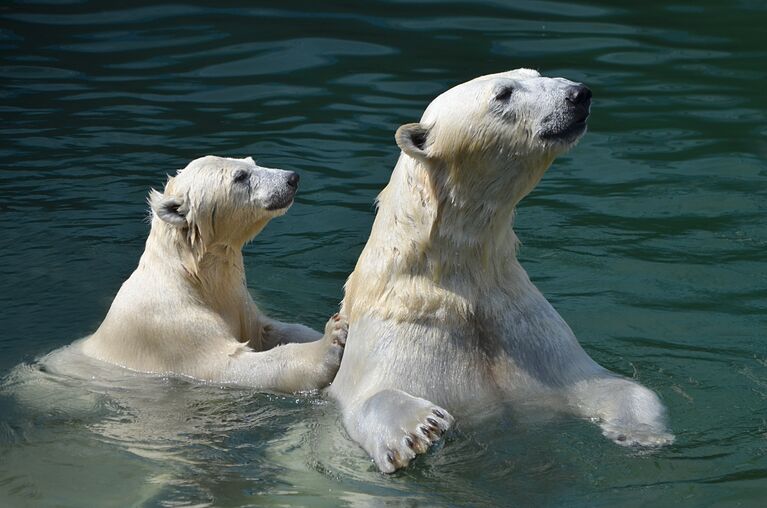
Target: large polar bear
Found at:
186, 309
441, 314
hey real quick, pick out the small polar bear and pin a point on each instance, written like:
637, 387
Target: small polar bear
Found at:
443, 320
186, 309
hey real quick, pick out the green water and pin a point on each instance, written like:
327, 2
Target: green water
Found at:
649, 238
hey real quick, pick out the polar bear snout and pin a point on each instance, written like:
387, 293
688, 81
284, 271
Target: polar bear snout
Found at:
283, 190
567, 122
266, 188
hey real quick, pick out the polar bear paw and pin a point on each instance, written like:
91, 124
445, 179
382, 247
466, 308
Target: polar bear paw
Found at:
628, 413
333, 343
336, 330
400, 427
422, 432
644, 436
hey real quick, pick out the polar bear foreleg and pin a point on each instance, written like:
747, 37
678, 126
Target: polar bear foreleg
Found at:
291, 367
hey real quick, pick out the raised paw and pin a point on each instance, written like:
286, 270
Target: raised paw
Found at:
395, 427
414, 441
336, 330
332, 346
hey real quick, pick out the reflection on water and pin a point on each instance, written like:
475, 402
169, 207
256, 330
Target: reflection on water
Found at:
161, 438
649, 238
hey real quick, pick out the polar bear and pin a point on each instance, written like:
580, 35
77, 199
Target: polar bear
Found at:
186, 309
443, 320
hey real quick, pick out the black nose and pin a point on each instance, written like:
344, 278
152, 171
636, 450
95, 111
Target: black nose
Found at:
579, 94
293, 180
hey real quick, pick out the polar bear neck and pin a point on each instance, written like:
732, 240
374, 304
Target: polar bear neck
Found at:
436, 247
214, 272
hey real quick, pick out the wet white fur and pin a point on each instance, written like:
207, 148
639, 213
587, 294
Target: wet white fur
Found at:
186, 309
441, 314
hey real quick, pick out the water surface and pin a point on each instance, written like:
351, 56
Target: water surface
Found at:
649, 238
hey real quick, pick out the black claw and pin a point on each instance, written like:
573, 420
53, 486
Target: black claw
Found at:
432, 422
409, 442
621, 438
424, 430
390, 457
439, 413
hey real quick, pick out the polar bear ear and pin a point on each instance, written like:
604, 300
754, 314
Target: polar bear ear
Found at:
167, 209
411, 138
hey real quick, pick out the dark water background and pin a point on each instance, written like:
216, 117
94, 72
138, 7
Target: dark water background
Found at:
649, 237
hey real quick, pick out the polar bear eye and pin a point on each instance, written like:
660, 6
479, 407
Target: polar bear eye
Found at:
241, 176
503, 94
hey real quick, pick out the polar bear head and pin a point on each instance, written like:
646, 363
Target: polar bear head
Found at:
498, 132
217, 200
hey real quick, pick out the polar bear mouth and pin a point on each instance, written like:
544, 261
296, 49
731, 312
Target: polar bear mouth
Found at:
577, 127
567, 131
280, 203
